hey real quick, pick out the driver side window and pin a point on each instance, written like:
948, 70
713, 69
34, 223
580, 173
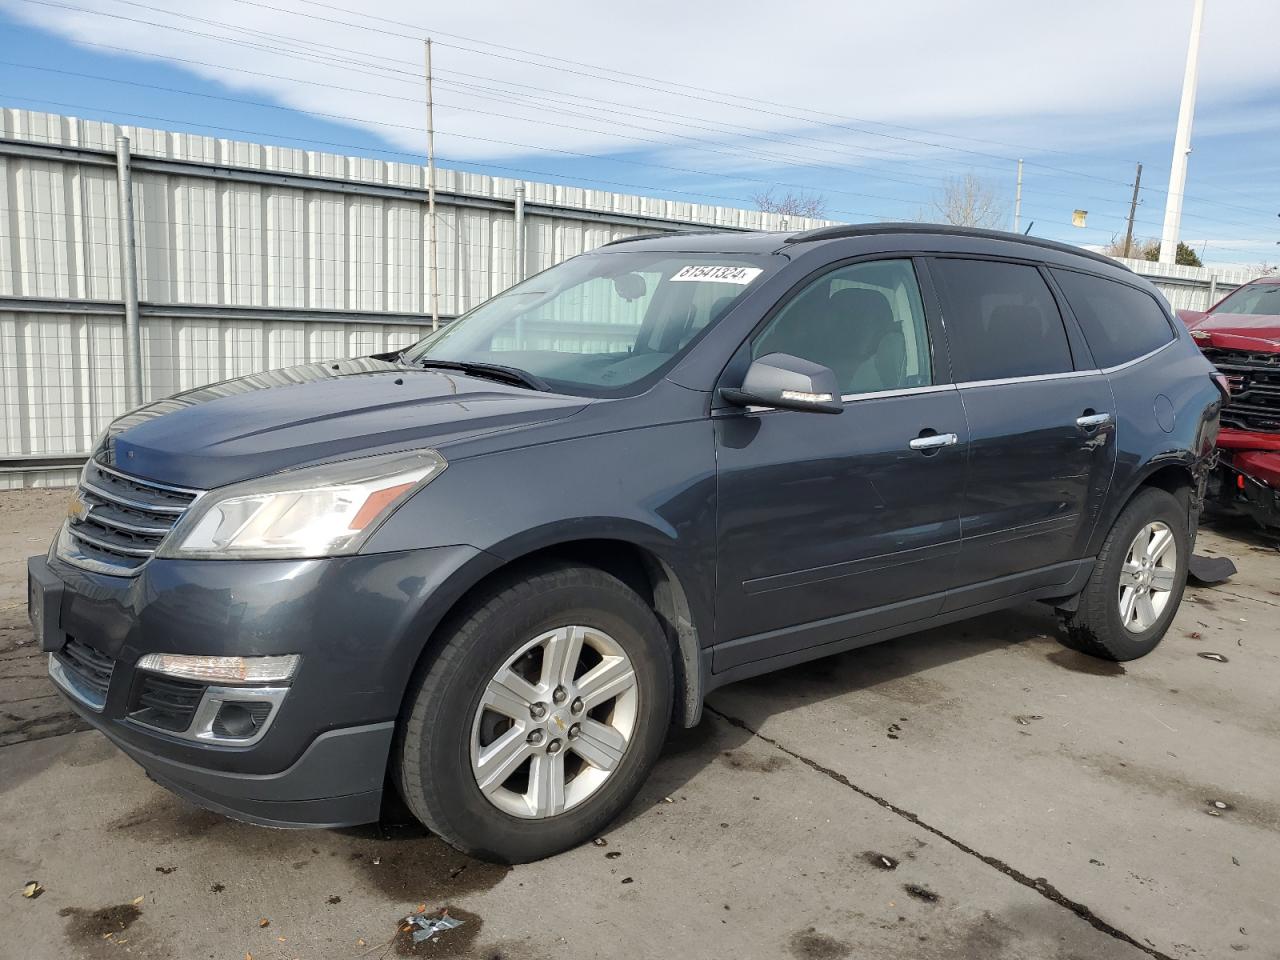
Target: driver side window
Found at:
864, 321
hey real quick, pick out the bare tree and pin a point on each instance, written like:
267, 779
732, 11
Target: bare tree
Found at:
811, 205
969, 201
1139, 249
1263, 269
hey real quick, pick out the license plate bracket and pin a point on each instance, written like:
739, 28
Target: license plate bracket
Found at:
44, 604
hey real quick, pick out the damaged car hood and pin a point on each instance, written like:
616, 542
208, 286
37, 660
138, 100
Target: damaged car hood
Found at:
261, 424
1238, 331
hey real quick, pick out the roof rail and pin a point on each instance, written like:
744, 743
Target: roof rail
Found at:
667, 233
843, 230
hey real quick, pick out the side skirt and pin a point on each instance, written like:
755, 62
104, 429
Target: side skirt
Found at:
1059, 580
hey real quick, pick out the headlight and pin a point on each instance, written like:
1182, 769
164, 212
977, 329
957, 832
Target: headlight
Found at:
311, 512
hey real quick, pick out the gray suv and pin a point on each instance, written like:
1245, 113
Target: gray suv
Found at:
490, 570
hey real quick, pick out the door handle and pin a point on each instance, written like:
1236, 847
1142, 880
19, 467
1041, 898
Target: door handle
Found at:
934, 441
1092, 421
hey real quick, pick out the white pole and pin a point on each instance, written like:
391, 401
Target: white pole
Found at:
1017, 201
128, 276
431, 199
1182, 143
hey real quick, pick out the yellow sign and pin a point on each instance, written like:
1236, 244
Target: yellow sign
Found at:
1078, 217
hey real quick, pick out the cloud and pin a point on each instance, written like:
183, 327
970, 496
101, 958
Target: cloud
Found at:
1056, 75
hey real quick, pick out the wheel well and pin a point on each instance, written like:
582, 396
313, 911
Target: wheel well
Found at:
652, 579
1174, 479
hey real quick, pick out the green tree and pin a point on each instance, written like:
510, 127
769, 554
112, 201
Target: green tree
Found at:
1185, 257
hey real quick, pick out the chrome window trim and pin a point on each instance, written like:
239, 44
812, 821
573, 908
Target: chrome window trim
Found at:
872, 395
61, 680
1146, 356
211, 701
1035, 378
899, 392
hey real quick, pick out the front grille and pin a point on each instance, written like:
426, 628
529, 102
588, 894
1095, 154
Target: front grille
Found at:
87, 670
165, 703
1254, 381
122, 521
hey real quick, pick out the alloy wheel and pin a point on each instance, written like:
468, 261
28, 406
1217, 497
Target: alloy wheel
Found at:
554, 722
1147, 577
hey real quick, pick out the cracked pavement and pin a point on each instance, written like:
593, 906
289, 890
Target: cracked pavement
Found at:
971, 791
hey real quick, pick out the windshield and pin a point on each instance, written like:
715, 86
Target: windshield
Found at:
601, 323
1255, 299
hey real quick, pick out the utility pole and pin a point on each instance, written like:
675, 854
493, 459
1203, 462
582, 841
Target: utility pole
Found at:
1017, 201
431, 198
1182, 142
1133, 211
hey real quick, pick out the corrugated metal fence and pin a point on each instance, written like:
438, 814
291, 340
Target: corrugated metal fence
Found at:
251, 257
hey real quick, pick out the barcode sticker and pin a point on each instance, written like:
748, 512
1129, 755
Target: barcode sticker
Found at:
704, 273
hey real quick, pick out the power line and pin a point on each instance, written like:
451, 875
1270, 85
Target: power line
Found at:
549, 176
543, 122
627, 161
321, 57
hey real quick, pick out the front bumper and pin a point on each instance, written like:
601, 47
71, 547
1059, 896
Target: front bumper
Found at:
359, 624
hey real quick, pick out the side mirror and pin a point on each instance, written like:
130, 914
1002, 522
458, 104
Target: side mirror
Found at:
788, 383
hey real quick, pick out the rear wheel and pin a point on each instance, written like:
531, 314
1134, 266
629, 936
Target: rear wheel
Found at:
1137, 581
540, 716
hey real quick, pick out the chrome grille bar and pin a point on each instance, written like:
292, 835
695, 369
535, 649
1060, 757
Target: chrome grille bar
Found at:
120, 520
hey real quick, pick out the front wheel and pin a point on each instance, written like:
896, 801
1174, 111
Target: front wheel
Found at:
1137, 581
539, 717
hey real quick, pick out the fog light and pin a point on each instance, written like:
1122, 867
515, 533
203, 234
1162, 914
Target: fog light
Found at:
222, 669
240, 720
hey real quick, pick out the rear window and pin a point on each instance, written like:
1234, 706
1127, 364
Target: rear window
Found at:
1119, 322
1001, 319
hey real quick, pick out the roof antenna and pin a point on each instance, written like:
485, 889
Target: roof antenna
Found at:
1027, 232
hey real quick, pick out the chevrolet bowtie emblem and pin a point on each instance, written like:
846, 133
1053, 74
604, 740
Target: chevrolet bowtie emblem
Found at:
78, 508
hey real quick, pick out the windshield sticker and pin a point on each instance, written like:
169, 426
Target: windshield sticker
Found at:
703, 273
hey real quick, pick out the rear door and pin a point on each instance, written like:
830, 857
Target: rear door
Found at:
834, 526
1041, 423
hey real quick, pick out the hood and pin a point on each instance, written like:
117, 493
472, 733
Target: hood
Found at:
1237, 331
267, 422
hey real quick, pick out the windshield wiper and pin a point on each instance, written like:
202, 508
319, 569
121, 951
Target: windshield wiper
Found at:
493, 371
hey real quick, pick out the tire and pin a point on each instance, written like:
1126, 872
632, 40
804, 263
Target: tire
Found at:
1097, 627
444, 731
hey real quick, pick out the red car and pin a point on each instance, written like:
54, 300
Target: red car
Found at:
1240, 335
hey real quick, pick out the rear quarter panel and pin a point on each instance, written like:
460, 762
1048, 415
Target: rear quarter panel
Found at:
1166, 414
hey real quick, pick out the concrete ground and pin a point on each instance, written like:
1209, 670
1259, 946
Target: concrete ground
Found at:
973, 791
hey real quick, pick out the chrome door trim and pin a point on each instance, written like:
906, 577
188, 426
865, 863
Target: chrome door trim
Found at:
935, 441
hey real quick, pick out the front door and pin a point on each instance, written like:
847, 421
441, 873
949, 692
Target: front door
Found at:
835, 526
1041, 423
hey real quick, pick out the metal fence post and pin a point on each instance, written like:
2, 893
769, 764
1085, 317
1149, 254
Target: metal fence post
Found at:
1213, 290
129, 276
518, 252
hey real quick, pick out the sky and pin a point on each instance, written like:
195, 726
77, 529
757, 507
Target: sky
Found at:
871, 106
